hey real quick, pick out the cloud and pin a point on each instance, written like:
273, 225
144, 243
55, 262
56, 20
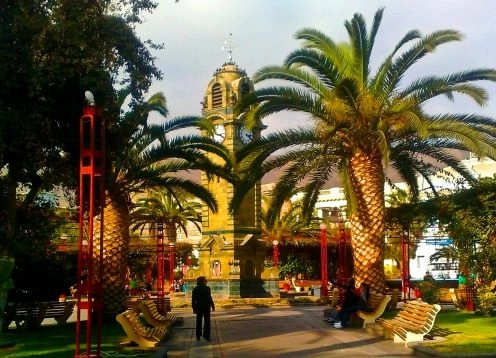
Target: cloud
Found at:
193, 32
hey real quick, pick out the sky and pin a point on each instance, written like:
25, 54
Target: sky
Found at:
194, 32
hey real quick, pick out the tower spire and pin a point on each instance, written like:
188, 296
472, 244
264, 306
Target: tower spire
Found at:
229, 46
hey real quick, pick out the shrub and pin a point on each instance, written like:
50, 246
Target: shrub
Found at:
429, 291
486, 300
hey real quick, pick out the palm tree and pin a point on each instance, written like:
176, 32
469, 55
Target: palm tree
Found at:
170, 208
145, 156
289, 226
362, 122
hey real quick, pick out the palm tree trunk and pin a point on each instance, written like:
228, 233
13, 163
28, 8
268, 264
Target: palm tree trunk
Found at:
367, 221
115, 255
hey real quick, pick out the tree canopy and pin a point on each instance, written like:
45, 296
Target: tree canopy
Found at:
51, 52
362, 121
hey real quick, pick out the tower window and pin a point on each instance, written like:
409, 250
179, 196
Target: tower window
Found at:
216, 96
245, 89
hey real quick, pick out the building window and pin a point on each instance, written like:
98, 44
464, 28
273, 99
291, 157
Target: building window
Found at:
216, 96
245, 89
419, 261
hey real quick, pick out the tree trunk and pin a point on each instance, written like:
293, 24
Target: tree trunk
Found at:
367, 221
115, 257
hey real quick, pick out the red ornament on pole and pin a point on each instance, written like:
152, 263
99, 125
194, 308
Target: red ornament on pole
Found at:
324, 292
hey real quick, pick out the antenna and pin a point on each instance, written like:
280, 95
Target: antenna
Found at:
229, 46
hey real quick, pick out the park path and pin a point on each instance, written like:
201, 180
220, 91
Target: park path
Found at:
297, 331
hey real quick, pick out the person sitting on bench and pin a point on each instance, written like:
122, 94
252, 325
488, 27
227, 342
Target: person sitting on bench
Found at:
353, 302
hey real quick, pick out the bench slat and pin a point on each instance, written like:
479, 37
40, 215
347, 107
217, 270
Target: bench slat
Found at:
137, 332
412, 322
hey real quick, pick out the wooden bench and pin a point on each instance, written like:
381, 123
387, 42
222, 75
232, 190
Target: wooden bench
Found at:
414, 320
138, 333
333, 299
378, 303
32, 315
153, 317
60, 311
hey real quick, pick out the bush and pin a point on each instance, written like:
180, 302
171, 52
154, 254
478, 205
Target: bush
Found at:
292, 266
486, 300
429, 291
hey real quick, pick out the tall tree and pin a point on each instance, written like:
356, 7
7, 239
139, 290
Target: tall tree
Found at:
362, 122
145, 157
50, 53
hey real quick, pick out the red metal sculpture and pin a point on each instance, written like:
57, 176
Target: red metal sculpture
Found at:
91, 203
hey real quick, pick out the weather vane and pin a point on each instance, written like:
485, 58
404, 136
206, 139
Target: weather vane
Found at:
229, 46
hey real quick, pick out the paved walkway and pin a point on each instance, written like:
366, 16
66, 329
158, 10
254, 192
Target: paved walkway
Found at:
298, 331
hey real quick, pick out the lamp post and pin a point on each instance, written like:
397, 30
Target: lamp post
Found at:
405, 269
172, 249
337, 220
275, 253
324, 293
160, 267
343, 264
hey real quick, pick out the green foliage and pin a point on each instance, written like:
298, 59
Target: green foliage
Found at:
486, 300
292, 266
6, 267
429, 291
363, 121
51, 52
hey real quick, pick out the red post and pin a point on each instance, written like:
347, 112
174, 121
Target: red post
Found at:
160, 267
172, 253
275, 253
324, 292
405, 269
343, 260
91, 205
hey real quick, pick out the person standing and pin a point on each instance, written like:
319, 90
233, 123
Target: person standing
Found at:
202, 302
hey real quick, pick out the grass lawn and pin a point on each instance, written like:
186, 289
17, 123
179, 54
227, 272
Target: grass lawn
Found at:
59, 342
465, 332
462, 332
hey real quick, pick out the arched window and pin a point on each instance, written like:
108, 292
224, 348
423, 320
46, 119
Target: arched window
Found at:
245, 88
216, 96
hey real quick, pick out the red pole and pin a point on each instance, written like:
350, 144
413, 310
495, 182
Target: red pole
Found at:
91, 203
405, 270
275, 253
343, 269
160, 267
324, 292
171, 262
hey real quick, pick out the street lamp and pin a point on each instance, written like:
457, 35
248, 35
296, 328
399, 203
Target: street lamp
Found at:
172, 249
275, 253
324, 293
405, 269
336, 218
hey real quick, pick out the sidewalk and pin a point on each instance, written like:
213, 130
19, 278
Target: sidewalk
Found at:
297, 331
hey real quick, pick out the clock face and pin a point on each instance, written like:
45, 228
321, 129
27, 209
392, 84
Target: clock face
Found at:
219, 133
245, 135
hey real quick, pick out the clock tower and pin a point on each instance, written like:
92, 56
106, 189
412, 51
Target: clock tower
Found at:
231, 254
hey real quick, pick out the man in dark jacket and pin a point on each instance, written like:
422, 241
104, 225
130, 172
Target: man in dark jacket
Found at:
201, 300
353, 301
